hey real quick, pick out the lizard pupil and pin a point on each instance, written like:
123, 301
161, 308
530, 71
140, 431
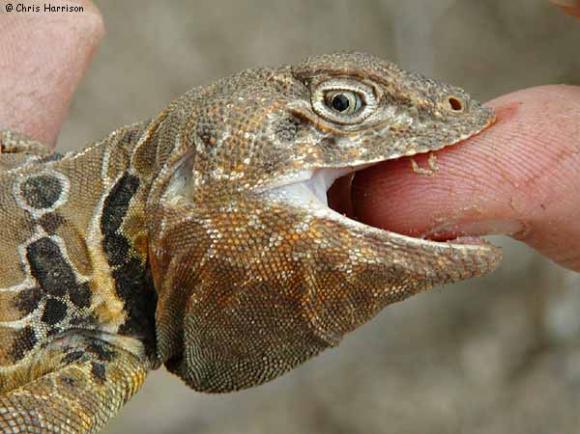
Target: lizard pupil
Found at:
340, 102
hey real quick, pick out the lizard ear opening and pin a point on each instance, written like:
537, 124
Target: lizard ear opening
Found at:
180, 185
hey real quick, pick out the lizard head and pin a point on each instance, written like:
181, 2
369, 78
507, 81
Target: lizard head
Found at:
255, 272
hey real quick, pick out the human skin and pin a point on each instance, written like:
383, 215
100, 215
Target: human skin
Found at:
571, 7
521, 177
42, 59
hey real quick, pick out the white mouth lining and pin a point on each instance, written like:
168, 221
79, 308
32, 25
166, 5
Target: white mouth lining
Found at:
312, 186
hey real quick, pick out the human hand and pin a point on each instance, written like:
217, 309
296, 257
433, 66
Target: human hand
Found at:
521, 177
42, 58
571, 7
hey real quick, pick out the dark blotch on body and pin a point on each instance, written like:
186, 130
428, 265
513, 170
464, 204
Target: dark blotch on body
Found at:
41, 192
49, 268
28, 300
24, 342
54, 312
80, 295
135, 288
132, 283
116, 247
116, 206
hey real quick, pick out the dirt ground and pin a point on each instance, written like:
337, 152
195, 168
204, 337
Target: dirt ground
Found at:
500, 354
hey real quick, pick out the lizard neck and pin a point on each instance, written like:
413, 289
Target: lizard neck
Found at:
137, 164
117, 238
78, 248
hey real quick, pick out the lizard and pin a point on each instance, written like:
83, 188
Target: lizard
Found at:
201, 239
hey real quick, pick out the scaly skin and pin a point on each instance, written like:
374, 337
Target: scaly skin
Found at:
201, 239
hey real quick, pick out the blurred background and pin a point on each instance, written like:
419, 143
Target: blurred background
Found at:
499, 354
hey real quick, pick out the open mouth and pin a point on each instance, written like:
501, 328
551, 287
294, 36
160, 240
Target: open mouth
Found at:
328, 192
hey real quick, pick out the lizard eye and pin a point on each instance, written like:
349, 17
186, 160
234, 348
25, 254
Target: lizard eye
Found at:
344, 101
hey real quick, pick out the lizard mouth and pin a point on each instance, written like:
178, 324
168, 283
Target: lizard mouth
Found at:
328, 192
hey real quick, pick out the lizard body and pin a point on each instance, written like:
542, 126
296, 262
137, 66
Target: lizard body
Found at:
201, 239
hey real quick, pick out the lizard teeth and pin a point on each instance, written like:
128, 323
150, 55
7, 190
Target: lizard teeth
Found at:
322, 180
312, 192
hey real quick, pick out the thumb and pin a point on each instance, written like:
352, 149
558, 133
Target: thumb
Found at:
43, 56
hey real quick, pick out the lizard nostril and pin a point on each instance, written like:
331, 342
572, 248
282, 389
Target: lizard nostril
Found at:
455, 103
